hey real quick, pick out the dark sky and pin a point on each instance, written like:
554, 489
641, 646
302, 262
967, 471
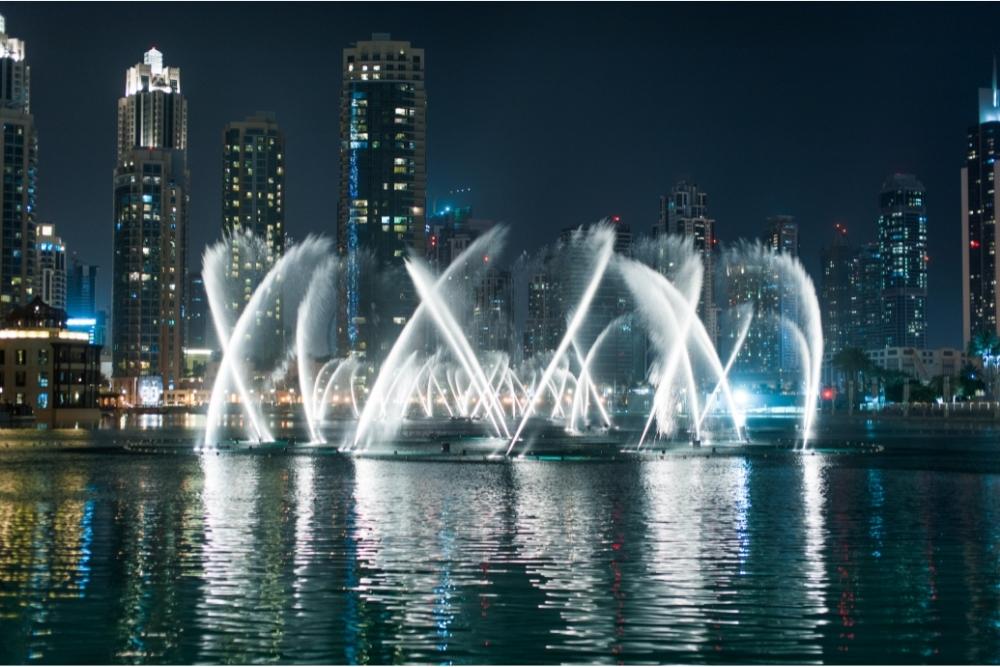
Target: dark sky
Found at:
554, 115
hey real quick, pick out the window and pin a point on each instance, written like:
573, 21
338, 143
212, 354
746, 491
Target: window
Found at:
22, 357
43, 400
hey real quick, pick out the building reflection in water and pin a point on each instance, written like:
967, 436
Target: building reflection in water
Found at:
301, 558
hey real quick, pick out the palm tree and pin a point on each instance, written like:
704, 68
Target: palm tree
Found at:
986, 346
853, 363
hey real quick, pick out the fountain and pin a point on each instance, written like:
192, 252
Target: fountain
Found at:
434, 373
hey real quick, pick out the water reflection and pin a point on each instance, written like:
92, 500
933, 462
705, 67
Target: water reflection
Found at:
252, 558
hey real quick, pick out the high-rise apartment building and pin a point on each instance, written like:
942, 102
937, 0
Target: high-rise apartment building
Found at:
50, 273
980, 203
902, 245
868, 328
838, 295
493, 311
782, 234
684, 212
253, 186
545, 322
383, 182
151, 191
19, 156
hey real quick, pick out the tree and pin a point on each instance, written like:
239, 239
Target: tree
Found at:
986, 346
854, 365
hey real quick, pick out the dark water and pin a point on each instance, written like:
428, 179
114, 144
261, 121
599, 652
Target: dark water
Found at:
115, 557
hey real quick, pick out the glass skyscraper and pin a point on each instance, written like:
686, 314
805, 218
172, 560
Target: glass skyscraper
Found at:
980, 202
19, 155
902, 247
151, 185
81, 289
383, 182
838, 294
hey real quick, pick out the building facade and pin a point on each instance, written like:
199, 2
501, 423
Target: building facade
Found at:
48, 369
868, 288
81, 289
980, 203
922, 364
838, 292
253, 186
684, 212
902, 244
383, 187
199, 332
545, 324
493, 311
151, 186
18, 187
50, 273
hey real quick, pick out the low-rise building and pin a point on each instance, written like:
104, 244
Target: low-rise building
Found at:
923, 365
48, 369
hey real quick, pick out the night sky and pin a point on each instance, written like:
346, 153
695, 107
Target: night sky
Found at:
554, 115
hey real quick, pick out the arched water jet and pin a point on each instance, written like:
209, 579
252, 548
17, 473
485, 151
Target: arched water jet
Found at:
740, 339
306, 254
456, 340
475, 249
320, 288
606, 240
343, 365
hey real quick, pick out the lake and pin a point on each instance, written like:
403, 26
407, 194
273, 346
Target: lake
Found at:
743, 556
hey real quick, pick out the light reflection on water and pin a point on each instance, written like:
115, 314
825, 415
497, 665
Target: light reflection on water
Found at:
111, 557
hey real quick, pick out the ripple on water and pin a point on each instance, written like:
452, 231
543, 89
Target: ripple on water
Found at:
328, 559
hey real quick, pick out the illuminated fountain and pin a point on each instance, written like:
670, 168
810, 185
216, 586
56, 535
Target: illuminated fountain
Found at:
434, 373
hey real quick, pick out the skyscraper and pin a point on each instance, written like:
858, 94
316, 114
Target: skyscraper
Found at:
980, 203
493, 311
253, 186
51, 271
383, 182
544, 324
838, 297
868, 328
19, 155
197, 317
902, 244
685, 212
151, 186
81, 289
782, 234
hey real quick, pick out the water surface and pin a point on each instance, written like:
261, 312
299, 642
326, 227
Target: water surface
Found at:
107, 556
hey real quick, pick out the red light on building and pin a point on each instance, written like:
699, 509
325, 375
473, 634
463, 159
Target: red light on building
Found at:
828, 393
486, 258
974, 243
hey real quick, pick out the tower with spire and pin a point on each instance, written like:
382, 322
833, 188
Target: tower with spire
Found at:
980, 203
151, 186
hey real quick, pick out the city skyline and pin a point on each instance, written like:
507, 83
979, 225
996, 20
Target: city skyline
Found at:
850, 146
